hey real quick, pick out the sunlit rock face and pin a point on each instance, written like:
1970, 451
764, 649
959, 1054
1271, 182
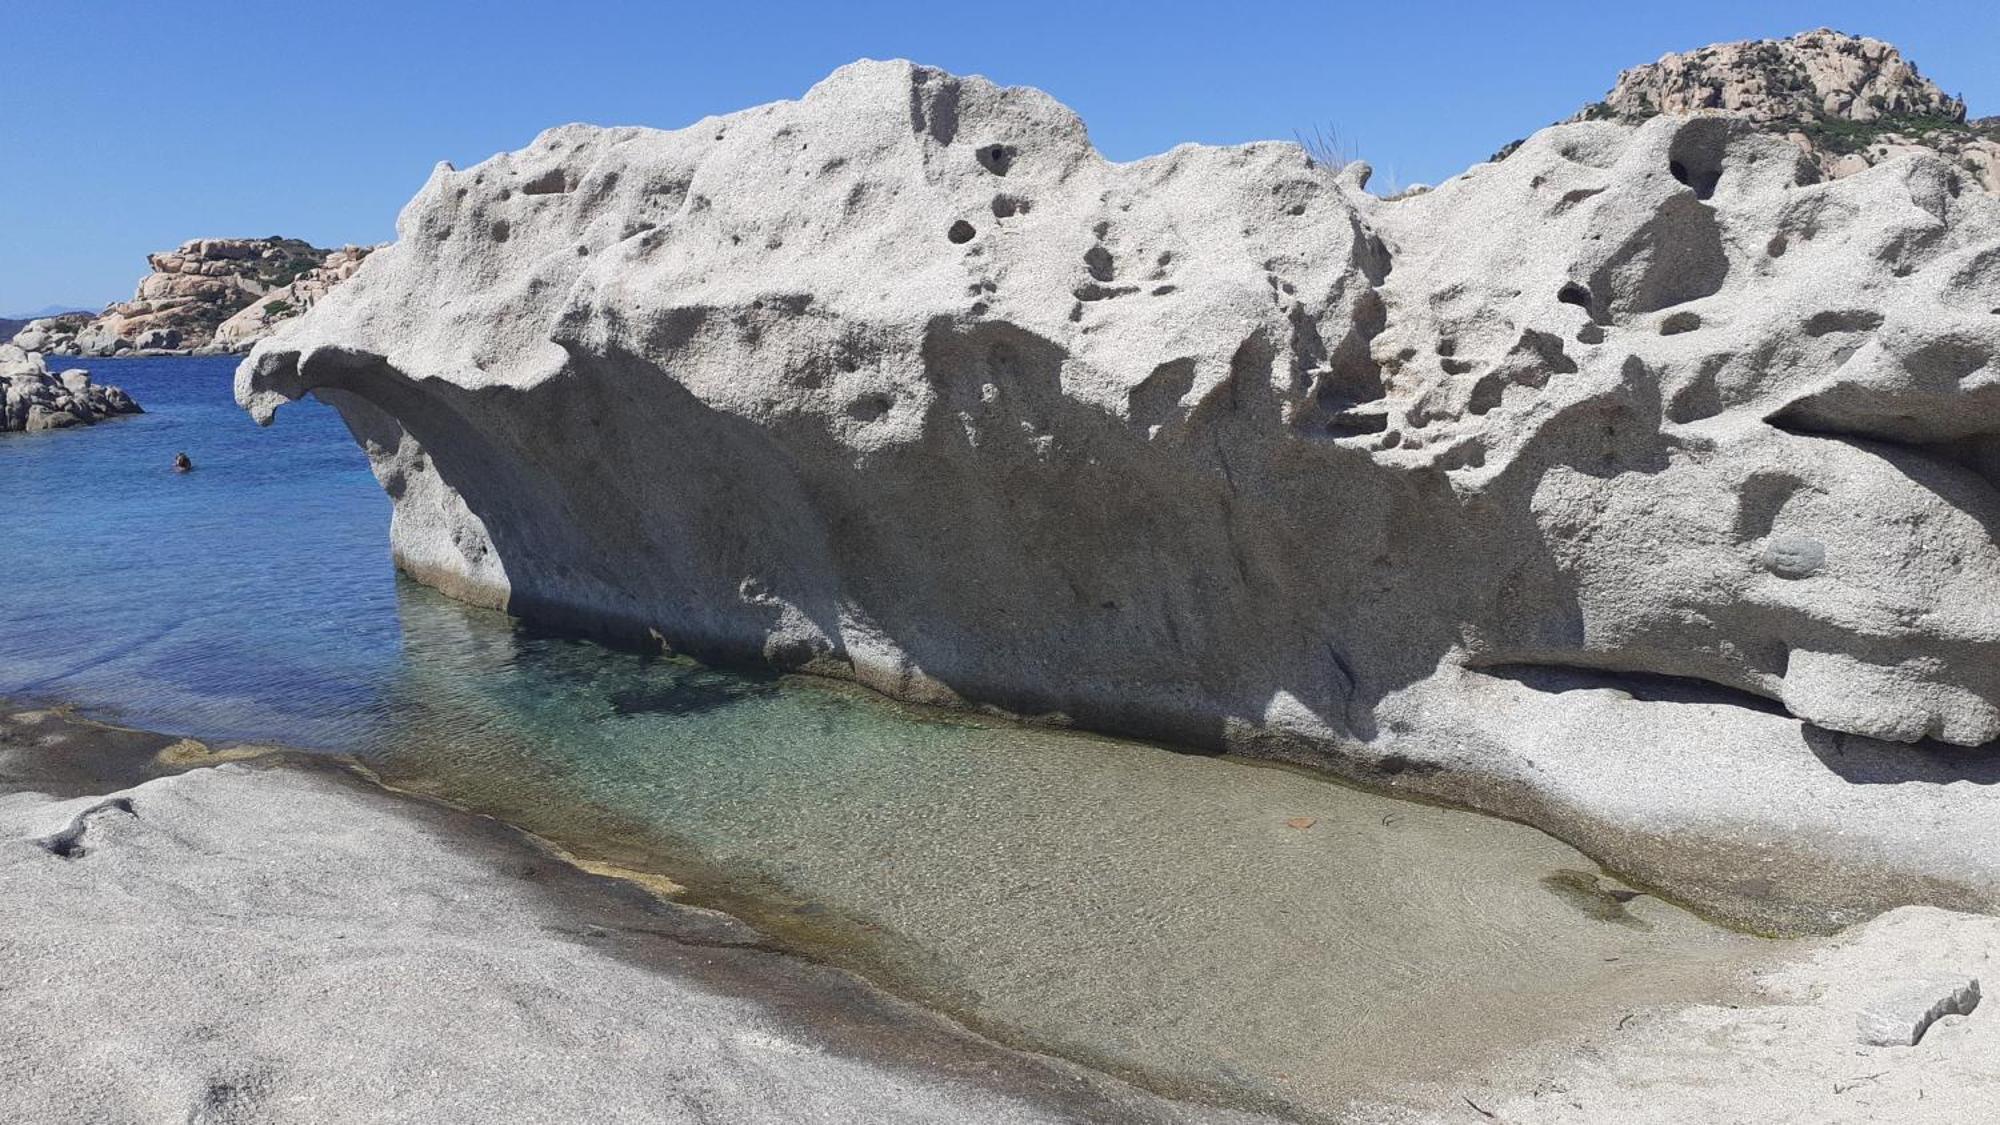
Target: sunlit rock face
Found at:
904, 381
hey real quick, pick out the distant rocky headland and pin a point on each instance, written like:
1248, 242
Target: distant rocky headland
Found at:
210, 296
1848, 102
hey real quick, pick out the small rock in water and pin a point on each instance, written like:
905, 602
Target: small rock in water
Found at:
182, 464
1900, 1018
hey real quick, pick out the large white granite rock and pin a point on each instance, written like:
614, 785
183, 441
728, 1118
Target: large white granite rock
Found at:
904, 381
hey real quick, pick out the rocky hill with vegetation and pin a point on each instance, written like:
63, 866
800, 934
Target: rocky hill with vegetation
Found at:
210, 295
1848, 102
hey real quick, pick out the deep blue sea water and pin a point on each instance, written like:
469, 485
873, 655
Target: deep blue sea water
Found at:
251, 598
1161, 914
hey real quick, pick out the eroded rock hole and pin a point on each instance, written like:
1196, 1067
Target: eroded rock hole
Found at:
551, 182
1844, 320
868, 408
1574, 294
1098, 260
1696, 156
997, 159
1703, 183
1699, 176
1357, 422
1677, 323
961, 232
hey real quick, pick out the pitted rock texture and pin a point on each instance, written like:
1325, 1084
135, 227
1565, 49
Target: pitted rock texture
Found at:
1849, 102
211, 295
32, 399
904, 381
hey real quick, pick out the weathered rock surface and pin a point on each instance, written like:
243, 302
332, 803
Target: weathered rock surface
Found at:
259, 941
1789, 1055
253, 943
1900, 1017
33, 399
1632, 486
52, 335
211, 295
1848, 102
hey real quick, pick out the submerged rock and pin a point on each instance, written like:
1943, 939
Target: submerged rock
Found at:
904, 381
33, 399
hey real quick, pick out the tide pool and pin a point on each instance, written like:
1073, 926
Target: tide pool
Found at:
1210, 927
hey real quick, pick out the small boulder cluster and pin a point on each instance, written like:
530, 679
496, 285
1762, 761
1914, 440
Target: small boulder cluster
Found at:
37, 400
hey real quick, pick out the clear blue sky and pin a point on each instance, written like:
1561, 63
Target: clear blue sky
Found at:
129, 127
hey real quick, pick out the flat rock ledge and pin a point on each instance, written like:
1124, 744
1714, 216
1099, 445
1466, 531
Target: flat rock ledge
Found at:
264, 940
32, 399
1925, 1054
267, 938
1900, 1018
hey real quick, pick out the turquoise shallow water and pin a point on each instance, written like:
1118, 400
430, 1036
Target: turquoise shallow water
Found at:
1216, 928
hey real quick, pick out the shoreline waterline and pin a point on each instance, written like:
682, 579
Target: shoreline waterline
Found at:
1212, 926
258, 819
1278, 898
